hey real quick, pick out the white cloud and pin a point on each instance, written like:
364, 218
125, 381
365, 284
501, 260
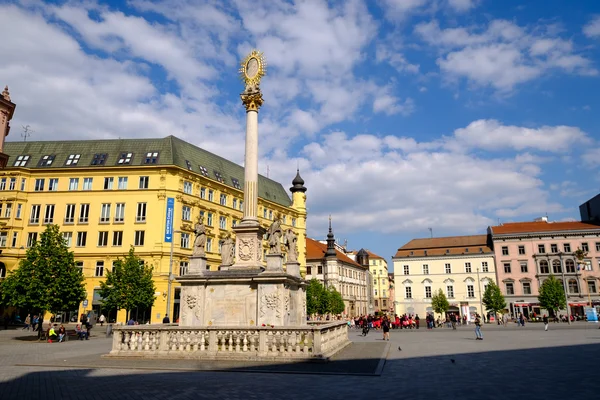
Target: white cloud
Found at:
592, 28
396, 59
463, 5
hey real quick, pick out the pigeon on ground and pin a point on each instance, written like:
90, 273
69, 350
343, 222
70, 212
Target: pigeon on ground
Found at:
452, 360
400, 349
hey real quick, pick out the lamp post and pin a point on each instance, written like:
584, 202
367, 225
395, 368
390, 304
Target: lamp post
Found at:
562, 270
480, 295
170, 278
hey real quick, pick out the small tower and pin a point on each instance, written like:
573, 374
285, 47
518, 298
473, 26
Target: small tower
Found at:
331, 276
7, 109
299, 204
362, 257
330, 242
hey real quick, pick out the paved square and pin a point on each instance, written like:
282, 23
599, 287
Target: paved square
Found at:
510, 362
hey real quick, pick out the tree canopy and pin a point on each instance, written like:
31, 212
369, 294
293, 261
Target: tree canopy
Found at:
493, 298
47, 279
552, 295
129, 285
439, 302
320, 300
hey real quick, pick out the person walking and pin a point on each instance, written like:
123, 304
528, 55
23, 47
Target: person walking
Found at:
385, 324
102, 319
545, 319
27, 322
478, 334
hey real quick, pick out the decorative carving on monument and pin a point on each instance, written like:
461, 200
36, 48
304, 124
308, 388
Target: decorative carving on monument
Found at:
291, 243
227, 250
161, 195
245, 249
200, 241
179, 197
270, 301
287, 303
191, 300
252, 99
274, 234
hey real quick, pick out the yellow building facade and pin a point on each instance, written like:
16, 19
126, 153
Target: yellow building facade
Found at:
462, 266
108, 195
381, 284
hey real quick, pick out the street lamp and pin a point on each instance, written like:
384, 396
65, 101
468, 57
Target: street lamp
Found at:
562, 270
170, 279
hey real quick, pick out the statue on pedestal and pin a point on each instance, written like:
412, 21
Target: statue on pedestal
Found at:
227, 250
200, 240
291, 243
274, 236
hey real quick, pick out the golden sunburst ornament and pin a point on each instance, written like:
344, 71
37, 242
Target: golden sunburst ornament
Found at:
253, 68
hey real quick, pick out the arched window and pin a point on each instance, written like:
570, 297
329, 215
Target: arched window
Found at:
573, 286
570, 266
556, 267
544, 269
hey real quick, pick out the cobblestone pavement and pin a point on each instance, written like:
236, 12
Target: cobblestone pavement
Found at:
510, 362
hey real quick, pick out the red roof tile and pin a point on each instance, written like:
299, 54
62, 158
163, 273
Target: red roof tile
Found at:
316, 251
450, 245
542, 226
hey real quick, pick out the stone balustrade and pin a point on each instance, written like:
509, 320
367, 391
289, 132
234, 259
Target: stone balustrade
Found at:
230, 343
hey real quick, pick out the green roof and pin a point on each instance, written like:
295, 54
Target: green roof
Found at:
171, 151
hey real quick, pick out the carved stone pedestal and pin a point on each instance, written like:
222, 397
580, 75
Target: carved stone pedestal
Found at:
274, 263
248, 246
197, 265
293, 269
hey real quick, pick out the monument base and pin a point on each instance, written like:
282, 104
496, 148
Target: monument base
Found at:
293, 268
274, 263
248, 246
197, 265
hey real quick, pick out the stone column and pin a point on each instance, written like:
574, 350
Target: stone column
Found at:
7, 109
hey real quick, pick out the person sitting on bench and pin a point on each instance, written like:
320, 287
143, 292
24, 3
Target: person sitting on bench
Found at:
52, 334
62, 333
81, 334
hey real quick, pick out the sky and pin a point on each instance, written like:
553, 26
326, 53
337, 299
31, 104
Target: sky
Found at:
402, 115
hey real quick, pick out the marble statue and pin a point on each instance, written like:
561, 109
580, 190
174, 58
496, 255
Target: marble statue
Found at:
227, 250
274, 236
291, 243
200, 240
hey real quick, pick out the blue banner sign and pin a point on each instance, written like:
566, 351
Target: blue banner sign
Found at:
169, 220
591, 314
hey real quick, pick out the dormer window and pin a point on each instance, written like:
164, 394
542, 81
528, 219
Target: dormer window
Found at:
125, 158
73, 159
21, 161
99, 159
46, 161
203, 171
236, 183
218, 175
151, 157
188, 165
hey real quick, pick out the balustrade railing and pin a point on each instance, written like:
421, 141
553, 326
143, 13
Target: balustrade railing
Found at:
170, 341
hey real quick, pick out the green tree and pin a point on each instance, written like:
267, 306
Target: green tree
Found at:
316, 299
439, 302
129, 285
493, 298
46, 279
552, 295
336, 302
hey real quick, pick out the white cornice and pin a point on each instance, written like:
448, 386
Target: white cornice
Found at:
444, 257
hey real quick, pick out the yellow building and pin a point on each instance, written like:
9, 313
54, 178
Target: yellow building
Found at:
108, 195
379, 280
462, 266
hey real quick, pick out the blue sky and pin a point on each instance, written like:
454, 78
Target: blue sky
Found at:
403, 115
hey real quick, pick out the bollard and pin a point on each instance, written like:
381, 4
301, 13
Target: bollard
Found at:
108, 330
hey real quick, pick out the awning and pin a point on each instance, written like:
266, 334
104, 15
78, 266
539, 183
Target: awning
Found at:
579, 303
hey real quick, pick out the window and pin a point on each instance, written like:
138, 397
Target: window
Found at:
408, 292
108, 183
19, 210
553, 248
73, 183
521, 250
87, 183
308, 270
14, 239
235, 203
510, 288
218, 176
102, 238
470, 291
587, 265
236, 183
222, 222
187, 187
188, 165
242, 207
585, 247
185, 241
203, 193
99, 268
223, 200
49, 214
186, 213
507, 268
468, 267
3, 236
53, 184
144, 182
573, 286
526, 288
125, 158
79, 264
425, 269
183, 268
448, 269
31, 238
8, 210
524, 266
427, 292
122, 183
450, 291
139, 238
544, 269
293, 219
556, 267
81, 239
504, 250
569, 266
406, 270
591, 287
13, 182
541, 248
597, 245
151, 157
203, 171
140, 215
21, 161
46, 161
209, 244
270, 214
384, 301
73, 159
105, 213
23, 182
211, 195
120, 212
84, 213
99, 159
209, 221
3, 184
264, 213
567, 247
34, 218
117, 238
39, 185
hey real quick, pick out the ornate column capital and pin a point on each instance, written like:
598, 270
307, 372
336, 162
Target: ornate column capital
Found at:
252, 99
